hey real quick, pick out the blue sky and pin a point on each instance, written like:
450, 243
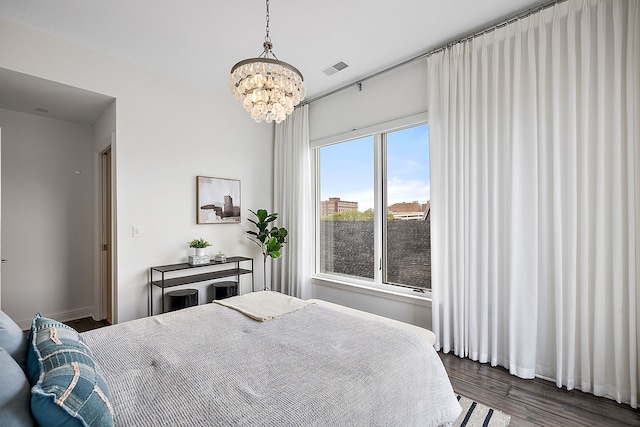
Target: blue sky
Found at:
347, 169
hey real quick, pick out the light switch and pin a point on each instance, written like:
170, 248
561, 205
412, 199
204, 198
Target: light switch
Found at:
136, 231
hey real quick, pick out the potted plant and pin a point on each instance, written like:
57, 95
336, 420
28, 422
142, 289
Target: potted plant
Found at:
199, 245
270, 240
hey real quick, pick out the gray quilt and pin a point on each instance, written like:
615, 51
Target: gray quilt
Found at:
213, 366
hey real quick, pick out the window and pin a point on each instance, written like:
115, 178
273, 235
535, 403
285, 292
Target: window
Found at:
373, 208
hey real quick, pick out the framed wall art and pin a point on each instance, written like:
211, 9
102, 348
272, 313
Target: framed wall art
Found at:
217, 200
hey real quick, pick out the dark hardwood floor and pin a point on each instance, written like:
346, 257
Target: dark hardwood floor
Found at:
86, 324
534, 402
81, 325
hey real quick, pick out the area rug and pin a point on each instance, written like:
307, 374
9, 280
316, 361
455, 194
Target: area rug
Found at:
476, 414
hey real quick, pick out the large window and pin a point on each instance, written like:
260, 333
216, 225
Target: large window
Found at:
373, 208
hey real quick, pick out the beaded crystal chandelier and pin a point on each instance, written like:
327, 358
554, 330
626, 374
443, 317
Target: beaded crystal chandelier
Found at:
267, 87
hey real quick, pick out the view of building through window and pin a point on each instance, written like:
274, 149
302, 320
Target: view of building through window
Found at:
346, 240
348, 207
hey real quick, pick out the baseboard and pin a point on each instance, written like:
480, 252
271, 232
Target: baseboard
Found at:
64, 316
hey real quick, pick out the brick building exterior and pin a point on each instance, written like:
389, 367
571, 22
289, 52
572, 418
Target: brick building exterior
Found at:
409, 210
335, 205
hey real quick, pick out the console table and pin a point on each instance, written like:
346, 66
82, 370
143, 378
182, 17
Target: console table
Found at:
188, 273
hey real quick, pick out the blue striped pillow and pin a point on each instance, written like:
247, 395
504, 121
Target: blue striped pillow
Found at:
68, 387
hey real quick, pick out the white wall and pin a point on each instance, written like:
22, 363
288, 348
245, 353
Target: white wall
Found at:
410, 309
104, 127
393, 95
47, 214
396, 94
167, 133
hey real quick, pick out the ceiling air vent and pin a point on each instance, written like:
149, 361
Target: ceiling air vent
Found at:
335, 68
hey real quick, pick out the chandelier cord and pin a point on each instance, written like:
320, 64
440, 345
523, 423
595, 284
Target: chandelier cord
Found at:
267, 45
266, 37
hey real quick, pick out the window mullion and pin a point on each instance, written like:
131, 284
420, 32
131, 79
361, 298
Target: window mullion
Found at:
316, 172
379, 203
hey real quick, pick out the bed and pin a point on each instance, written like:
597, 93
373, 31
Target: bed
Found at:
301, 363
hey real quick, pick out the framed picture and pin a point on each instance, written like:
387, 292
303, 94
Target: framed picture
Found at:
217, 200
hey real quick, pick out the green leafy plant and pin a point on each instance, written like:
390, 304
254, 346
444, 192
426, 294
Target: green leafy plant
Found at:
270, 240
199, 243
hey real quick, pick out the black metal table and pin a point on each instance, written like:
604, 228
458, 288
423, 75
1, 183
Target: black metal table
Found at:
193, 274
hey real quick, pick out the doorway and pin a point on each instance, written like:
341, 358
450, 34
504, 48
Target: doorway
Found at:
38, 114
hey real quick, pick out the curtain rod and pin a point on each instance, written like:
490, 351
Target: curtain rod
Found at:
469, 36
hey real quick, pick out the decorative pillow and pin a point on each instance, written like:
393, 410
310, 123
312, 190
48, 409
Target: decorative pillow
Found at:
68, 387
13, 340
14, 393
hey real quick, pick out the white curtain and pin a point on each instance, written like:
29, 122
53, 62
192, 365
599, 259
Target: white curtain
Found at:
293, 201
535, 139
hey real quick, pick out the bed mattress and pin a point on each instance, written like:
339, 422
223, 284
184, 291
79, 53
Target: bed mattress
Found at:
210, 365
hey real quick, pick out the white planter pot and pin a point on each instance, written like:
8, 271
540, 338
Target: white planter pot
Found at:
199, 251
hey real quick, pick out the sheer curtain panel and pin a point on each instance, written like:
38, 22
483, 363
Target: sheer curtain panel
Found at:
535, 136
293, 201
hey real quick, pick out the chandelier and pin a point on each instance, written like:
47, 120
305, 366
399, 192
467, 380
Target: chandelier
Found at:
267, 87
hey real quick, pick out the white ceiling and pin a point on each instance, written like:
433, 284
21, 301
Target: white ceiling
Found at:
199, 40
28, 94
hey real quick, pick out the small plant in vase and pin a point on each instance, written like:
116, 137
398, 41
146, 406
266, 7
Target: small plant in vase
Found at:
270, 240
199, 245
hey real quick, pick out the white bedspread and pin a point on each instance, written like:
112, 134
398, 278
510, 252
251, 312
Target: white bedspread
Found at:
213, 366
265, 305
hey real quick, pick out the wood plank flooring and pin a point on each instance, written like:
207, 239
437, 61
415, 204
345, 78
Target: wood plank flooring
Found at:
535, 402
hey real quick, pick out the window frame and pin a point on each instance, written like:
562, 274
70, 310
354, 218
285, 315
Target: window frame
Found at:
378, 131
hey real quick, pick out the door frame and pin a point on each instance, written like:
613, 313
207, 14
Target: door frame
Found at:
105, 290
